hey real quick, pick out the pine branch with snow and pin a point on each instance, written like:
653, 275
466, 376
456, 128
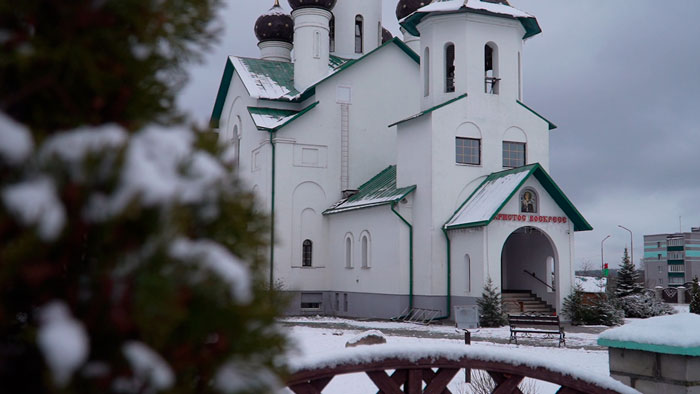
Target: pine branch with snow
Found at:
695, 297
490, 307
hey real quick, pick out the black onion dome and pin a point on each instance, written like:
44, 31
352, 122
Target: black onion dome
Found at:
386, 35
275, 25
407, 7
323, 4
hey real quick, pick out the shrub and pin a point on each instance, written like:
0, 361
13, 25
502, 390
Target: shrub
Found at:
695, 297
643, 306
600, 311
490, 307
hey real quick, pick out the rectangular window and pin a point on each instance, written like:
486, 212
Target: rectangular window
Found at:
468, 150
513, 154
311, 301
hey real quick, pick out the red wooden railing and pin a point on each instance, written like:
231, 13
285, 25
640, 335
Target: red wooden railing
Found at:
409, 375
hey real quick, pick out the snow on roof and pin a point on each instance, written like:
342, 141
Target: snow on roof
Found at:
513, 356
485, 202
379, 190
219, 260
671, 334
591, 284
455, 5
273, 119
17, 142
35, 203
272, 80
62, 340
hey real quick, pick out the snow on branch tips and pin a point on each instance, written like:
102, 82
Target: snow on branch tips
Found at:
162, 166
150, 370
62, 340
218, 260
35, 202
17, 143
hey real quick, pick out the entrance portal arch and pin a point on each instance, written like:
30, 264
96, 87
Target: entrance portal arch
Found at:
529, 262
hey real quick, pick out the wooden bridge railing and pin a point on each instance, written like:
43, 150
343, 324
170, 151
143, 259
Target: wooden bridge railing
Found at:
430, 370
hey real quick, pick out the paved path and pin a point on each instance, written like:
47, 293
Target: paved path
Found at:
539, 341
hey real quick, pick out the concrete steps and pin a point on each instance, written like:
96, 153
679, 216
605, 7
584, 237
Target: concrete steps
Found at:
524, 301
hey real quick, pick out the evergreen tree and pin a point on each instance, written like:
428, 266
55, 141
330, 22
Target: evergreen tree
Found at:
129, 253
695, 297
627, 281
490, 307
573, 307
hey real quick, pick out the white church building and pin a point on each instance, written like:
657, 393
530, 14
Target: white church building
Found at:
398, 174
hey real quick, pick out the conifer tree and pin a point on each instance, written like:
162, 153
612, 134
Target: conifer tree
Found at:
129, 254
695, 297
490, 307
627, 281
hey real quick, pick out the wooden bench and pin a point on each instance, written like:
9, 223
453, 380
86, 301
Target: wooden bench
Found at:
535, 324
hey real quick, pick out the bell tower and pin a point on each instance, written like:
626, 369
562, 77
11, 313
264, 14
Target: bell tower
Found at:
356, 27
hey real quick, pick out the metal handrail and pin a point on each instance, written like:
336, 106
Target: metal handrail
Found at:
539, 280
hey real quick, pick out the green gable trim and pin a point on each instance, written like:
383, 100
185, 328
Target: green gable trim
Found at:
580, 223
411, 22
282, 113
665, 349
552, 126
429, 110
379, 190
221, 95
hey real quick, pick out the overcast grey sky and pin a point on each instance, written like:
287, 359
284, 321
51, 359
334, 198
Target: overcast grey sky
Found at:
620, 78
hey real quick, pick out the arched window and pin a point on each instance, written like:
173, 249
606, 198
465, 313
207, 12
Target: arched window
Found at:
331, 33
468, 272
426, 71
528, 201
359, 33
348, 251
306, 253
450, 68
491, 78
365, 242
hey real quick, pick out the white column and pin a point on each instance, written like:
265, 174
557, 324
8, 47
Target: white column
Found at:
410, 40
278, 51
310, 46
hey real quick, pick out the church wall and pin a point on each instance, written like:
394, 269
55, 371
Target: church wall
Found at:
382, 91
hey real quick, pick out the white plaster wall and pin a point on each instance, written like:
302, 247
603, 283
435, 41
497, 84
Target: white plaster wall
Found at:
383, 91
389, 263
345, 12
467, 281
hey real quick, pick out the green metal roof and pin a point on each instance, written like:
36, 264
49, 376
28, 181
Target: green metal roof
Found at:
530, 24
273, 119
276, 79
429, 110
380, 190
482, 206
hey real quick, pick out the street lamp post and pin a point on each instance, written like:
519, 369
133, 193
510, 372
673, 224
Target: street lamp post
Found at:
602, 259
631, 243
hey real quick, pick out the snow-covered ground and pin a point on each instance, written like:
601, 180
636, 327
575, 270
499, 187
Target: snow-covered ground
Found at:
314, 337
312, 342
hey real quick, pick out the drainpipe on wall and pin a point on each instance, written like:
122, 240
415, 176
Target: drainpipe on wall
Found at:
272, 215
410, 255
448, 304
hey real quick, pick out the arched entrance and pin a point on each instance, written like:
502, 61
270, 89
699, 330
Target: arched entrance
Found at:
529, 264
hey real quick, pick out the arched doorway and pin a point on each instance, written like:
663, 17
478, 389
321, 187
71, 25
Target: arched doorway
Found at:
529, 264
